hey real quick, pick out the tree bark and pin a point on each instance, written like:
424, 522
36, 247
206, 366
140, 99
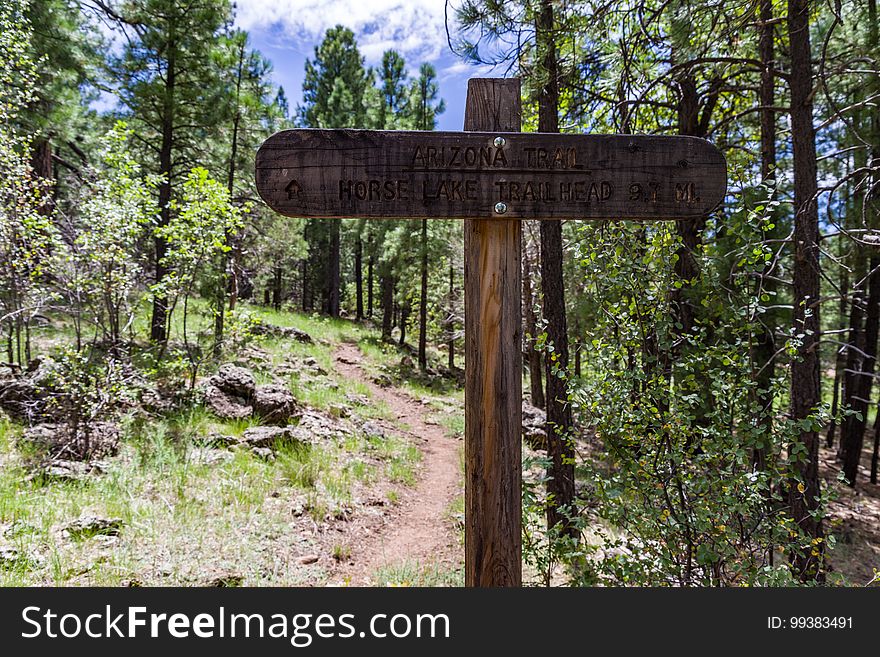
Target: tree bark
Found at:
159, 319
359, 278
840, 359
536, 384
853, 431
227, 283
423, 300
450, 319
804, 488
404, 318
387, 283
560, 473
764, 350
278, 273
370, 261
332, 294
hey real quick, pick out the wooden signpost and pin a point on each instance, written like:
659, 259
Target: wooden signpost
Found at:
492, 176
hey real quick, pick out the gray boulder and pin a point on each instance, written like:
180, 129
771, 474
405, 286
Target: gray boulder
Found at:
534, 426
274, 404
87, 526
234, 380
226, 405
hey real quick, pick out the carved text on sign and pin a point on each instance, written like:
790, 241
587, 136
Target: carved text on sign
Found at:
363, 173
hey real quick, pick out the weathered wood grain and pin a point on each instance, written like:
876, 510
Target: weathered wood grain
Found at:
493, 368
370, 173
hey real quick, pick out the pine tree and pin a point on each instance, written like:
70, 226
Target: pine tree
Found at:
335, 91
170, 87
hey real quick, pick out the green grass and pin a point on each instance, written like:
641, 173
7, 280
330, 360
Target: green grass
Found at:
188, 522
408, 573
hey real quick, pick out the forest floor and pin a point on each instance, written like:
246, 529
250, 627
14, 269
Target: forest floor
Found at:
854, 521
374, 497
418, 530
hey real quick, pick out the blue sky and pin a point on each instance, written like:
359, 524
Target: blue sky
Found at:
287, 31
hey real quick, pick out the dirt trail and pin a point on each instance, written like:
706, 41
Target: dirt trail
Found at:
418, 529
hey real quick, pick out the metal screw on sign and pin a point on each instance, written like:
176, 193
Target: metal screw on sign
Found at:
500, 208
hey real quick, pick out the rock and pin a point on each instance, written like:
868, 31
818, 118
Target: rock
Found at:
372, 430
210, 456
307, 559
407, 362
300, 367
16, 528
62, 470
270, 437
102, 439
256, 355
274, 403
311, 364
87, 526
534, 430
299, 336
9, 555
314, 425
225, 405
217, 440
23, 398
356, 399
264, 453
231, 580
235, 381
276, 331
345, 360
383, 381
340, 410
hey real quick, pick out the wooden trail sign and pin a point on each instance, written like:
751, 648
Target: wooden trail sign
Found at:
492, 176
377, 173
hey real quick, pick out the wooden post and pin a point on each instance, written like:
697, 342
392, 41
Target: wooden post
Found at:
493, 366
503, 180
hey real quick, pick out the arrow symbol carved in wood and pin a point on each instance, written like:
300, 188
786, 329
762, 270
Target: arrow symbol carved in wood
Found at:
293, 189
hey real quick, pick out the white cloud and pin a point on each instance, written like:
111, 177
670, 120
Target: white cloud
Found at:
416, 28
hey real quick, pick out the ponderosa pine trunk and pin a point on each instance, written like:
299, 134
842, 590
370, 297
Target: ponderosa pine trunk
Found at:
874, 42
370, 262
450, 318
359, 278
331, 302
804, 488
852, 433
840, 359
387, 284
404, 318
277, 290
533, 356
764, 350
159, 318
560, 473
227, 271
423, 300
